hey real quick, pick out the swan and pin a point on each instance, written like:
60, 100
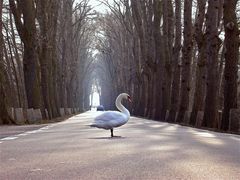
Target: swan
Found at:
112, 119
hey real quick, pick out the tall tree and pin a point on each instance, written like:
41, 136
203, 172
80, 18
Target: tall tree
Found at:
213, 43
200, 82
138, 22
4, 117
25, 10
186, 60
231, 59
176, 63
167, 37
158, 60
47, 16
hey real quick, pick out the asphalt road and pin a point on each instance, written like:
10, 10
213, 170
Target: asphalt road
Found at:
146, 150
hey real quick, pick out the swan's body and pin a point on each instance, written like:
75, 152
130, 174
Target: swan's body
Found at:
112, 119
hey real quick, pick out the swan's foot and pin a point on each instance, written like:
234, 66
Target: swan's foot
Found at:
112, 133
112, 136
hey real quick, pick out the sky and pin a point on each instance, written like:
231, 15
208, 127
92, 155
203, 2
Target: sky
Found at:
98, 6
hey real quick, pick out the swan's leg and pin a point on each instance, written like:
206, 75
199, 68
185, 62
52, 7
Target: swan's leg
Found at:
111, 132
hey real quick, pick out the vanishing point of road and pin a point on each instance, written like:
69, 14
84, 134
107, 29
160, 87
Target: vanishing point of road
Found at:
146, 150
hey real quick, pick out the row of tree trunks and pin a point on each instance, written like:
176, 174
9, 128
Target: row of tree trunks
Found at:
140, 52
169, 75
48, 12
46, 53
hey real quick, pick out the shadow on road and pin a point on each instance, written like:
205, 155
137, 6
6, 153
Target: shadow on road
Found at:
109, 138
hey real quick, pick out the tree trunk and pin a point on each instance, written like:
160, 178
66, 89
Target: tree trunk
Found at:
143, 49
44, 55
186, 60
176, 63
201, 64
48, 15
167, 46
27, 32
231, 60
54, 94
22, 90
210, 109
159, 61
9, 84
4, 117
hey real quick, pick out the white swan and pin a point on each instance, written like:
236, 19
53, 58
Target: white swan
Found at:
112, 119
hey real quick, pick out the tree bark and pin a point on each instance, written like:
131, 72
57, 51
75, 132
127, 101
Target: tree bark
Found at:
210, 109
47, 16
167, 53
159, 60
176, 64
20, 77
231, 60
201, 64
4, 117
25, 9
186, 60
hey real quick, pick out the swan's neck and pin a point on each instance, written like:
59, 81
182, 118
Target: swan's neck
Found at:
121, 107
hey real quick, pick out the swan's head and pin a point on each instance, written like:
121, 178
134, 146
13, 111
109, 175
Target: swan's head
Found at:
125, 96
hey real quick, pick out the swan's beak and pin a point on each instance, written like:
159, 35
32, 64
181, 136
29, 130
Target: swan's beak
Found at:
129, 99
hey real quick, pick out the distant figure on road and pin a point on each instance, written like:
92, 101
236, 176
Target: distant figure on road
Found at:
100, 108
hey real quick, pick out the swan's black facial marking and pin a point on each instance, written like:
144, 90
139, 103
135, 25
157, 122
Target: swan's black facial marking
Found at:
129, 98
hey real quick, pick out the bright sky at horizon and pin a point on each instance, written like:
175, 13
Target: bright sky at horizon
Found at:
96, 100
98, 6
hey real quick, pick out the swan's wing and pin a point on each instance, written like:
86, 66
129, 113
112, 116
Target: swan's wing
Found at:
110, 119
110, 115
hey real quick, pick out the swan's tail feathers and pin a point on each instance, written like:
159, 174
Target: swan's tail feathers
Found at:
92, 125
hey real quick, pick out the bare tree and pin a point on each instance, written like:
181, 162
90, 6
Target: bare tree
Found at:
231, 59
186, 60
200, 82
213, 43
176, 63
4, 117
26, 9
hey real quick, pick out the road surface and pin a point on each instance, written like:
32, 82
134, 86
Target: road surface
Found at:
146, 150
